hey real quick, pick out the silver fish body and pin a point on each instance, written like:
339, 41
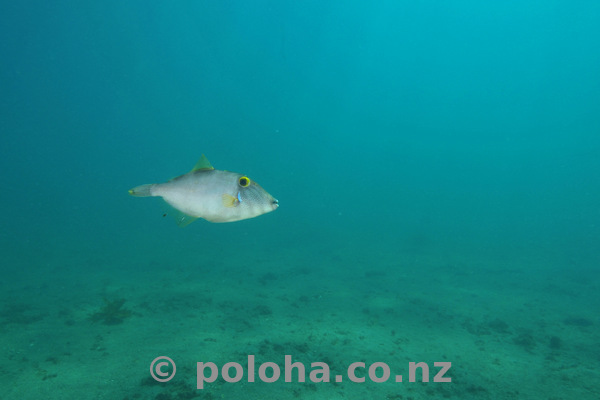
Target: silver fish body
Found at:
214, 195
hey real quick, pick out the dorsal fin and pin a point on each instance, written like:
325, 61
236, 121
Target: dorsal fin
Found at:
203, 164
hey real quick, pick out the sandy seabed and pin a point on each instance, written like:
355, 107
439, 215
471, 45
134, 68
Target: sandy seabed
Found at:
512, 327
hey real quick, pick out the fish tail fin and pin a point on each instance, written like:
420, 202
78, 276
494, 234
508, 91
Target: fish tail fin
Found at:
142, 191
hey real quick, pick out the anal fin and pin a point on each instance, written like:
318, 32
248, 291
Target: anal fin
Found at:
181, 218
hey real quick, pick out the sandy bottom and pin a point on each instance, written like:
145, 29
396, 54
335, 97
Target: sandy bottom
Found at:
513, 328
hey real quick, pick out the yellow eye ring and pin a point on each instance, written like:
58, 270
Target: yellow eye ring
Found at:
244, 181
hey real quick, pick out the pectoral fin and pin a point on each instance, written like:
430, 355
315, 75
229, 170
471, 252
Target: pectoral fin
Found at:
230, 201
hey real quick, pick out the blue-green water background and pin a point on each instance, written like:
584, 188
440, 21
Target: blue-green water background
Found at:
445, 128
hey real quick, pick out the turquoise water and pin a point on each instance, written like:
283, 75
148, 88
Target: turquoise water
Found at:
436, 165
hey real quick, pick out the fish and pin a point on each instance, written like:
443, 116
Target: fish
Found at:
210, 194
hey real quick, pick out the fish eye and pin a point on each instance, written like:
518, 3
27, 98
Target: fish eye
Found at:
244, 181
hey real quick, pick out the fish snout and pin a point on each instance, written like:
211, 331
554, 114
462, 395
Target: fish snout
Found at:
275, 203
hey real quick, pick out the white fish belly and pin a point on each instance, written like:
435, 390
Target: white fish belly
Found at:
200, 197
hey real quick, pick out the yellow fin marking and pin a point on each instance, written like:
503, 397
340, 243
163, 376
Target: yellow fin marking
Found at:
229, 201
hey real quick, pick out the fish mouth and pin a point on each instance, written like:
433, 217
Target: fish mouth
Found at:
275, 203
